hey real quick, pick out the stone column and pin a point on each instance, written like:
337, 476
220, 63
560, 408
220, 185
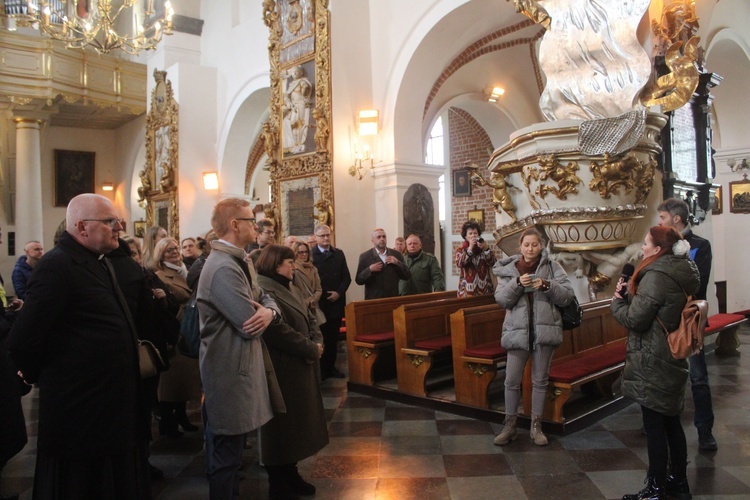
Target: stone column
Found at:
28, 208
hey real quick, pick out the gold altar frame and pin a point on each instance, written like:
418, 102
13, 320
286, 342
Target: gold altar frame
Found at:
159, 179
299, 41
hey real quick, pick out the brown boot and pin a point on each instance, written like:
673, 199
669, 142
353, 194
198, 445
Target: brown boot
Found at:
508, 433
536, 434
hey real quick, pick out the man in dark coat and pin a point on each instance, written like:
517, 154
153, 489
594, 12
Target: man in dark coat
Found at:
335, 280
381, 268
674, 213
74, 340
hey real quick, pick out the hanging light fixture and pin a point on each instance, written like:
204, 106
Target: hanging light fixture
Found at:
104, 25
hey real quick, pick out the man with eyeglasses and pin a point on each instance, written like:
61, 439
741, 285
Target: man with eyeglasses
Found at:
240, 387
266, 234
74, 339
335, 280
24, 265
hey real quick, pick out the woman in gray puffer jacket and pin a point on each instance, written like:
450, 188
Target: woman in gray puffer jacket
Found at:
652, 377
529, 287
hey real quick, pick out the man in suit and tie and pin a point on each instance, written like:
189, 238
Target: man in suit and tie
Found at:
335, 280
381, 268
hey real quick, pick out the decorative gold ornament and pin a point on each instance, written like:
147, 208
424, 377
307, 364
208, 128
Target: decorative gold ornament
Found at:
612, 174
272, 214
477, 369
365, 352
676, 88
500, 197
415, 359
550, 168
325, 213
678, 23
534, 11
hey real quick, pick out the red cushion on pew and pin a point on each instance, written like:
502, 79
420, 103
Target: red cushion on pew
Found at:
342, 330
583, 365
490, 350
719, 321
745, 312
375, 338
435, 344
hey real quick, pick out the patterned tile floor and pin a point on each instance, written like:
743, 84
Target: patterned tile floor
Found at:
385, 450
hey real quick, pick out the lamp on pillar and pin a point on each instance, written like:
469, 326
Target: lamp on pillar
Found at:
367, 131
108, 186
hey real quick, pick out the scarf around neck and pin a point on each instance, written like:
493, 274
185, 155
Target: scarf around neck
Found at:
528, 267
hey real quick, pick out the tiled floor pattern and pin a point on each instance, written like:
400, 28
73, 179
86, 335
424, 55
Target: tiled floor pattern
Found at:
385, 450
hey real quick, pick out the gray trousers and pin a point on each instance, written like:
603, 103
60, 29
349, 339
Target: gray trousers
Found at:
541, 357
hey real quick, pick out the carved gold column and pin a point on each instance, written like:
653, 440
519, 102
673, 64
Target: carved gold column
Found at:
28, 210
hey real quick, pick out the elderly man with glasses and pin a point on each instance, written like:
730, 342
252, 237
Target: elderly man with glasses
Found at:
75, 340
335, 280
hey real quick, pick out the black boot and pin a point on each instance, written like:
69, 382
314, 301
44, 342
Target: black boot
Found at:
168, 422
678, 488
279, 485
182, 418
706, 440
299, 485
652, 491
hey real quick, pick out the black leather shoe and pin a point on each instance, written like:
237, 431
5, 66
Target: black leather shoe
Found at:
706, 441
300, 486
678, 488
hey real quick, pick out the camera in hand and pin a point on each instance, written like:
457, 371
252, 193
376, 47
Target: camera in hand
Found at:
480, 240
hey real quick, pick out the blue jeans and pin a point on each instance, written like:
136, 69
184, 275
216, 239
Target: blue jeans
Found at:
704, 412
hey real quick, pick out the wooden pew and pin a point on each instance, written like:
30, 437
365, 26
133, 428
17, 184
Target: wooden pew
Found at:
475, 336
422, 332
725, 325
593, 352
369, 330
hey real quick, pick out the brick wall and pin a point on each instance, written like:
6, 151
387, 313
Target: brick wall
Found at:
469, 143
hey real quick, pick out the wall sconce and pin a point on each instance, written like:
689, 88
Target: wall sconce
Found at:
732, 162
108, 186
367, 126
210, 181
495, 94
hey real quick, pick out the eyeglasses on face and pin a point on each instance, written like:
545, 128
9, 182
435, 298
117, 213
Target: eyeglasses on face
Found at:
269, 232
326, 235
111, 222
171, 250
303, 252
250, 219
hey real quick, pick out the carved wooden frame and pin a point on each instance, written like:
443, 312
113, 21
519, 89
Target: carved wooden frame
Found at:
739, 189
306, 163
159, 181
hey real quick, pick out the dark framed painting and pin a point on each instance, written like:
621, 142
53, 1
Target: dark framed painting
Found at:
716, 207
74, 175
739, 197
461, 183
139, 228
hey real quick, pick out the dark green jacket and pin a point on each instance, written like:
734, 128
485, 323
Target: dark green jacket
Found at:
426, 276
652, 377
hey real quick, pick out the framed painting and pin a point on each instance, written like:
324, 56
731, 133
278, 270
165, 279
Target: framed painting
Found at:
716, 201
461, 183
74, 175
739, 197
139, 228
476, 215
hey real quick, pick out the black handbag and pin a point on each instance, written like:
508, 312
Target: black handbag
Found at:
572, 314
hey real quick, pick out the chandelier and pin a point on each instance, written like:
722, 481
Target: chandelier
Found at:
103, 25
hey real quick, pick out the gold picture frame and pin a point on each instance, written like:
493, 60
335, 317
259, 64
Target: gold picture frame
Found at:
476, 215
739, 196
158, 192
716, 202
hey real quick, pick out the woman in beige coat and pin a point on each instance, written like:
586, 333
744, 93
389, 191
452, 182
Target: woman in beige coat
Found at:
181, 383
307, 279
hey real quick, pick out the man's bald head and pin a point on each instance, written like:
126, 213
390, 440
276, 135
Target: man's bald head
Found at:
34, 251
92, 221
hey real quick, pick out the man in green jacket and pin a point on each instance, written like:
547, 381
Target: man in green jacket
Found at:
426, 275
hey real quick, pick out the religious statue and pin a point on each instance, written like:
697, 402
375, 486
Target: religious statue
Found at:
605, 266
678, 24
534, 11
270, 143
322, 130
144, 188
167, 179
296, 110
676, 88
499, 184
272, 214
325, 212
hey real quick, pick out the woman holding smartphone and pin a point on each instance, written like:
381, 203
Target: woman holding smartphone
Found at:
529, 287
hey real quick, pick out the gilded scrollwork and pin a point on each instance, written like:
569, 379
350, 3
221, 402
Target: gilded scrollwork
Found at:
673, 90
325, 213
159, 178
613, 173
550, 168
678, 23
534, 11
415, 359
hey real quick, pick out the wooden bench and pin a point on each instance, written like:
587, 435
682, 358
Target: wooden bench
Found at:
369, 330
592, 353
422, 334
725, 325
475, 337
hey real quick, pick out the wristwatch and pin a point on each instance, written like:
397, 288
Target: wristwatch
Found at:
276, 316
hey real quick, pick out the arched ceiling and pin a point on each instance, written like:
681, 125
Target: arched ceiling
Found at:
729, 60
